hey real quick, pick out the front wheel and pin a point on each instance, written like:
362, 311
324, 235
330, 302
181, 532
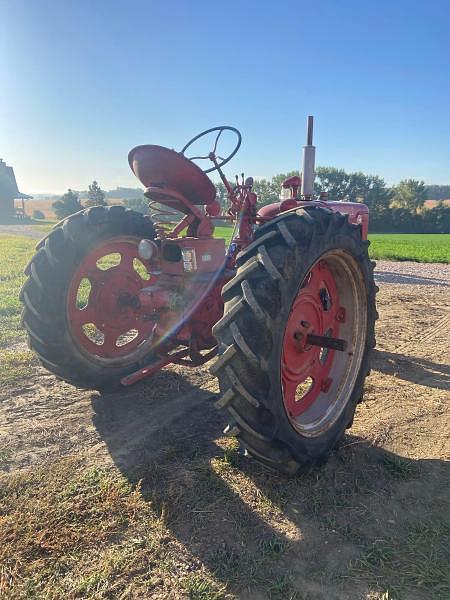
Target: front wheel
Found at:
78, 305
296, 337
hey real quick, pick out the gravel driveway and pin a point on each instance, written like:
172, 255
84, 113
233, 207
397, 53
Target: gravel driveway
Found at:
25, 230
412, 273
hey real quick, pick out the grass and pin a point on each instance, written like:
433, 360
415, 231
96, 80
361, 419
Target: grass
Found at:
207, 528
45, 225
420, 559
431, 248
15, 252
15, 365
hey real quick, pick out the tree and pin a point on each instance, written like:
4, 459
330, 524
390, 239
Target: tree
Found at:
437, 219
354, 187
222, 196
410, 194
375, 194
438, 192
67, 205
334, 181
138, 204
96, 196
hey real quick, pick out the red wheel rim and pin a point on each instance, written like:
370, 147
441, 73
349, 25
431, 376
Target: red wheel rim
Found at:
102, 312
306, 369
318, 383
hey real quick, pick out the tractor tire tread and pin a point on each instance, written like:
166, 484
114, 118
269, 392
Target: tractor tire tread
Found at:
246, 332
44, 291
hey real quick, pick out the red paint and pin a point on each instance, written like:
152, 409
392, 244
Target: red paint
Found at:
107, 306
293, 183
301, 361
184, 304
358, 213
340, 315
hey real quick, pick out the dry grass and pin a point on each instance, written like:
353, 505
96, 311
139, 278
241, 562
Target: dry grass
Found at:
209, 527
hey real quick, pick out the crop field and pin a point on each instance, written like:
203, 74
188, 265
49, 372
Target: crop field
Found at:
139, 494
421, 247
396, 246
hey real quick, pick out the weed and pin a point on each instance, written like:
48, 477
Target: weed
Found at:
419, 559
273, 547
398, 467
199, 587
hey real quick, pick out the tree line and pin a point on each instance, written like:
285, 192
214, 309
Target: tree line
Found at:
400, 208
70, 202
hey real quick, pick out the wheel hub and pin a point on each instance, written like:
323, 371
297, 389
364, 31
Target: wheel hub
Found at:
305, 367
104, 315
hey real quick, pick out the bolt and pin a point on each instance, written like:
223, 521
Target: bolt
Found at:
340, 315
298, 336
305, 324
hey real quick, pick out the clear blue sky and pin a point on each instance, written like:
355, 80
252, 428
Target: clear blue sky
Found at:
81, 82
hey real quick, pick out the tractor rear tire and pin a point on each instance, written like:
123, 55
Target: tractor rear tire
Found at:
257, 354
45, 294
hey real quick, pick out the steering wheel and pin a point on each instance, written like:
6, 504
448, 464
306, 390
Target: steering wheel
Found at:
212, 155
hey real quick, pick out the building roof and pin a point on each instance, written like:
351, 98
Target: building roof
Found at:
8, 184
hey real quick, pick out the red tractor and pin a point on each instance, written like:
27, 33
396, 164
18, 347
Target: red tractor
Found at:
288, 306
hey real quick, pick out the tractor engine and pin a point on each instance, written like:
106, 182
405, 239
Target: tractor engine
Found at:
183, 298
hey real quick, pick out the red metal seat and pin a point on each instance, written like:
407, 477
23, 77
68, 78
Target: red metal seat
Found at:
170, 178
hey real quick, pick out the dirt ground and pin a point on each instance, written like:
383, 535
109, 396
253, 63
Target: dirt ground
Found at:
404, 415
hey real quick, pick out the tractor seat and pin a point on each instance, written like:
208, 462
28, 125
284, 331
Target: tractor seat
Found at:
170, 178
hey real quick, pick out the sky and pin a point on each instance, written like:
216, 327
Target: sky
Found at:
82, 82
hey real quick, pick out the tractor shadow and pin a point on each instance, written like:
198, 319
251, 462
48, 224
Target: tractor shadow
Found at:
405, 279
412, 368
261, 534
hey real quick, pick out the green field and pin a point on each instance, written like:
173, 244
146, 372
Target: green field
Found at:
423, 247
396, 246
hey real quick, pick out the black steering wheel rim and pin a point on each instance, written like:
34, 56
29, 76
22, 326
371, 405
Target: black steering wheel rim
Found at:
220, 129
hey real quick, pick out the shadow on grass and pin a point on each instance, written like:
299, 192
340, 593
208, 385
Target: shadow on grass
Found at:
369, 520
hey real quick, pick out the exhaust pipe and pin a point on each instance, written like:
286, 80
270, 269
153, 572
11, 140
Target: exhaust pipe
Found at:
309, 158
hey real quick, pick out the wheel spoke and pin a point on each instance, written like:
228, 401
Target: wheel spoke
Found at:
217, 140
95, 277
109, 342
198, 157
126, 260
82, 316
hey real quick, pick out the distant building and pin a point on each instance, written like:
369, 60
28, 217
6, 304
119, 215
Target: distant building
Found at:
8, 192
